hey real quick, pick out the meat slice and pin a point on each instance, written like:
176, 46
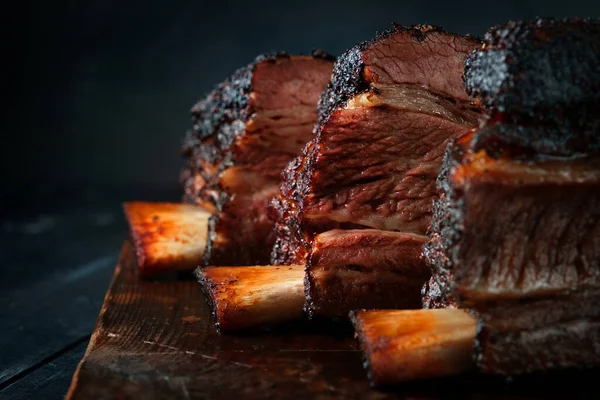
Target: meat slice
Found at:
515, 236
384, 122
244, 134
355, 206
519, 243
353, 269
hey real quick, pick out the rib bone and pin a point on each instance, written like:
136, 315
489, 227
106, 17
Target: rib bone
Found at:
403, 345
247, 297
167, 236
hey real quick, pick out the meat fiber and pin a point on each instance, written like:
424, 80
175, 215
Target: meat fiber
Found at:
391, 107
515, 236
519, 243
368, 268
244, 134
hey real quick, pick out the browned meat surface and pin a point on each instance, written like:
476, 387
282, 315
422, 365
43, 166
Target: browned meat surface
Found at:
367, 178
244, 134
519, 243
364, 268
516, 230
533, 335
526, 229
384, 122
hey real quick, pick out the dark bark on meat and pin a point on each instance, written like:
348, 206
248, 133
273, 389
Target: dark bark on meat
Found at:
384, 122
541, 80
353, 72
519, 243
501, 225
515, 234
355, 206
244, 134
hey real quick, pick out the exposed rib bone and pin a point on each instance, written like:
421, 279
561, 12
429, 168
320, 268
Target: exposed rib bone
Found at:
402, 345
247, 297
167, 236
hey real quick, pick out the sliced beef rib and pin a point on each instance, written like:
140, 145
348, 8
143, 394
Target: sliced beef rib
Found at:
391, 107
515, 236
244, 134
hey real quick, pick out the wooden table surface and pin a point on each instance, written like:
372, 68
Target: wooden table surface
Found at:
155, 339
58, 250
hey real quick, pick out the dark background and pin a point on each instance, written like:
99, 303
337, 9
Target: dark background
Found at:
96, 96
103, 87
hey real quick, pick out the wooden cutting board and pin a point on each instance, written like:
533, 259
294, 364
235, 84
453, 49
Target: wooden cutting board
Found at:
156, 340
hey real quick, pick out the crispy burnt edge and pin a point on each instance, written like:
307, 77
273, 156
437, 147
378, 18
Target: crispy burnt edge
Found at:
208, 291
494, 73
445, 229
215, 116
217, 120
290, 246
364, 345
347, 80
551, 110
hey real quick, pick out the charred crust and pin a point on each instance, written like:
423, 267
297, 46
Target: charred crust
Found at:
219, 114
210, 239
540, 77
220, 117
367, 351
433, 297
309, 306
520, 141
348, 80
481, 338
285, 210
419, 31
209, 293
525, 64
218, 120
445, 231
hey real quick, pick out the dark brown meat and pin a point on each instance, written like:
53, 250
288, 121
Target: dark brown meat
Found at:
534, 335
244, 134
364, 268
515, 235
501, 226
355, 206
518, 242
384, 122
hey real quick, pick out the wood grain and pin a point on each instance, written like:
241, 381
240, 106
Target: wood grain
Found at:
49, 381
55, 267
156, 340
